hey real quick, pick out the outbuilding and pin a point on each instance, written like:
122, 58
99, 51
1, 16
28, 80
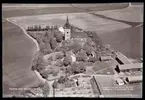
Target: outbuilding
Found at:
134, 79
105, 58
129, 67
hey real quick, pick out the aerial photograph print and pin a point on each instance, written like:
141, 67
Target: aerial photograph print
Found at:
88, 50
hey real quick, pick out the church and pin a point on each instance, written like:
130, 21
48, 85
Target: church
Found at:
71, 32
67, 30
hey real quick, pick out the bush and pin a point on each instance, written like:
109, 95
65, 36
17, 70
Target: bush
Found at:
62, 79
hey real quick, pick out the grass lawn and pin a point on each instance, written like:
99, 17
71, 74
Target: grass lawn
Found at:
107, 71
99, 66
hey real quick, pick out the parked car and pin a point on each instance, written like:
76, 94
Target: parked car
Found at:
119, 82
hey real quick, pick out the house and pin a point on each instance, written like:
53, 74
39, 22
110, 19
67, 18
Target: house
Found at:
129, 67
105, 58
134, 79
122, 59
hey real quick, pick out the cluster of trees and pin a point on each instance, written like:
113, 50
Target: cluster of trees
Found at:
75, 68
95, 38
52, 70
38, 64
34, 28
66, 46
64, 80
47, 40
39, 28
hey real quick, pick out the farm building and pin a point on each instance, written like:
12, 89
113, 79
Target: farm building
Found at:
134, 79
122, 59
129, 67
105, 58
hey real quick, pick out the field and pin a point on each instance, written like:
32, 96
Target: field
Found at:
18, 51
129, 41
82, 20
13, 10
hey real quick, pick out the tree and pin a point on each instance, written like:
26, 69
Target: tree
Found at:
44, 74
59, 63
45, 89
78, 68
87, 49
47, 27
68, 70
58, 36
76, 47
67, 60
39, 28
40, 64
53, 43
55, 71
66, 46
54, 84
47, 48
81, 56
47, 37
59, 55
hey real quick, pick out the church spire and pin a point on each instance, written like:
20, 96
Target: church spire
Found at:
67, 25
67, 20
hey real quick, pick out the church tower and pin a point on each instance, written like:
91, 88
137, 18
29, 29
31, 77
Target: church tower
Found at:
67, 30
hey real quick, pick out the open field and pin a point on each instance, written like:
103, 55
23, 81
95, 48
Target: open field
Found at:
13, 10
82, 20
132, 14
18, 51
129, 41
120, 35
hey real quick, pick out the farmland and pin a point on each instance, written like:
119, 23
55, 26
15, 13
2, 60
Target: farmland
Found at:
120, 34
13, 10
18, 50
